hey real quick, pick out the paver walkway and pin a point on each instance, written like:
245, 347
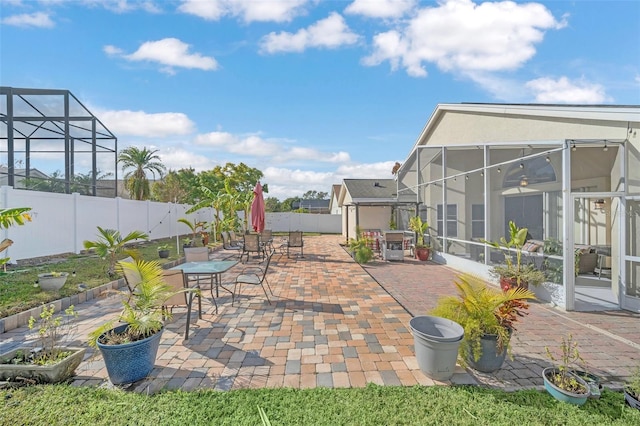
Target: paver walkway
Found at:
332, 324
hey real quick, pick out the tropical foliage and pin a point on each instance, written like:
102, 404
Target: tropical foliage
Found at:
10, 217
110, 242
142, 311
481, 310
139, 162
419, 227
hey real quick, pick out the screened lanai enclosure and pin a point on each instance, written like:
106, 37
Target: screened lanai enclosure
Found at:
49, 141
570, 174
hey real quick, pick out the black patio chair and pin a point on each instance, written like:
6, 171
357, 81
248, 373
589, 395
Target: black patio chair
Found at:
254, 275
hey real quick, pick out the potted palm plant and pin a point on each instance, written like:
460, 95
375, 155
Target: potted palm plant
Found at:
129, 343
487, 316
110, 242
49, 361
422, 250
513, 273
361, 249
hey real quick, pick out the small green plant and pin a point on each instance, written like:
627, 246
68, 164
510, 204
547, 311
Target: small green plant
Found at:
187, 242
633, 385
163, 247
110, 243
419, 227
51, 330
570, 358
361, 247
482, 310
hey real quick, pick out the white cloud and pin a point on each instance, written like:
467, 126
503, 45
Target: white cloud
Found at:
38, 20
380, 8
178, 158
461, 36
140, 123
170, 52
247, 10
563, 90
124, 6
331, 32
255, 146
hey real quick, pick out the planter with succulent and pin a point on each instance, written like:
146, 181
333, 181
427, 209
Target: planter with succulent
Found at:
422, 250
52, 281
513, 273
163, 251
186, 243
561, 381
129, 343
632, 390
487, 316
48, 361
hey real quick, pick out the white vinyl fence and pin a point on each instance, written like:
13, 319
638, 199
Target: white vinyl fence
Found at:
61, 222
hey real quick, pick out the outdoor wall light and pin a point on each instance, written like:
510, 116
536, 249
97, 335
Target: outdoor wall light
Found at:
599, 204
524, 181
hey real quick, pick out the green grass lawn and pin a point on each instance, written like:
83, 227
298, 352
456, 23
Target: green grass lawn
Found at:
373, 405
18, 291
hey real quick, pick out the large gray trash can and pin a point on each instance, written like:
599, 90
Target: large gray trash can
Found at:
436, 342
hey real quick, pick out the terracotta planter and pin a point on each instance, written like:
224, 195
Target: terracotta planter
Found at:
53, 373
422, 253
508, 283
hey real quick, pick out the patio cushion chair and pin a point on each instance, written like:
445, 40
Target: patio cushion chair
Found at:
295, 242
254, 275
227, 245
177, 281
251, 245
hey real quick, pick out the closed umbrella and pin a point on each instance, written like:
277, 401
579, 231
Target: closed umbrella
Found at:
257, 209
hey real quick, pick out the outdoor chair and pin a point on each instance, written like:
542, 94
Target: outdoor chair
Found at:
198, 254
253, 275
235, 241
295, 242
177, 281
227, 245
131, 275
266, 236
251, 245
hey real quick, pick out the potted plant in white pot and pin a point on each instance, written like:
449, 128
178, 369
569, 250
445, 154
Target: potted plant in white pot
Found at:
129, 343
48, 360
513, 273
487, 316
422, 250
52, 281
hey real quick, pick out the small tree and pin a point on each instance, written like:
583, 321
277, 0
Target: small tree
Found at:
110, 243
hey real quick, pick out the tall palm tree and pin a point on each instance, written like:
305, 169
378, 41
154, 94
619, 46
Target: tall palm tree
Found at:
141, 161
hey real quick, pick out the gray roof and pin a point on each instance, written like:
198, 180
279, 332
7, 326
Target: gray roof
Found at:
371, 189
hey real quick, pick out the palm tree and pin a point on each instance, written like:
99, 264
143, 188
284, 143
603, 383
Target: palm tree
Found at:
110, 242
141, 161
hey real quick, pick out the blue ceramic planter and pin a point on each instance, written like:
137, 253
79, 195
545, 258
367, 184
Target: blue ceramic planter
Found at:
130, 362
561, 394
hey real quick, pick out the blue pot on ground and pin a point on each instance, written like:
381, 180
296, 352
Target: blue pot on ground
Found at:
561, 394
130, 362
491, 358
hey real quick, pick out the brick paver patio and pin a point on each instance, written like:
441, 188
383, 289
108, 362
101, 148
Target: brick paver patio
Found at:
334, 324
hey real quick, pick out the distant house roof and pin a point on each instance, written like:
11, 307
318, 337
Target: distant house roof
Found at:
313, 205
357, 191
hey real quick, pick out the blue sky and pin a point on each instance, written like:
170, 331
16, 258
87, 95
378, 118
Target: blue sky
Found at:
309, 91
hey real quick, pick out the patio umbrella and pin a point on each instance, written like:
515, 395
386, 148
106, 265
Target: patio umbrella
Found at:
257, 209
